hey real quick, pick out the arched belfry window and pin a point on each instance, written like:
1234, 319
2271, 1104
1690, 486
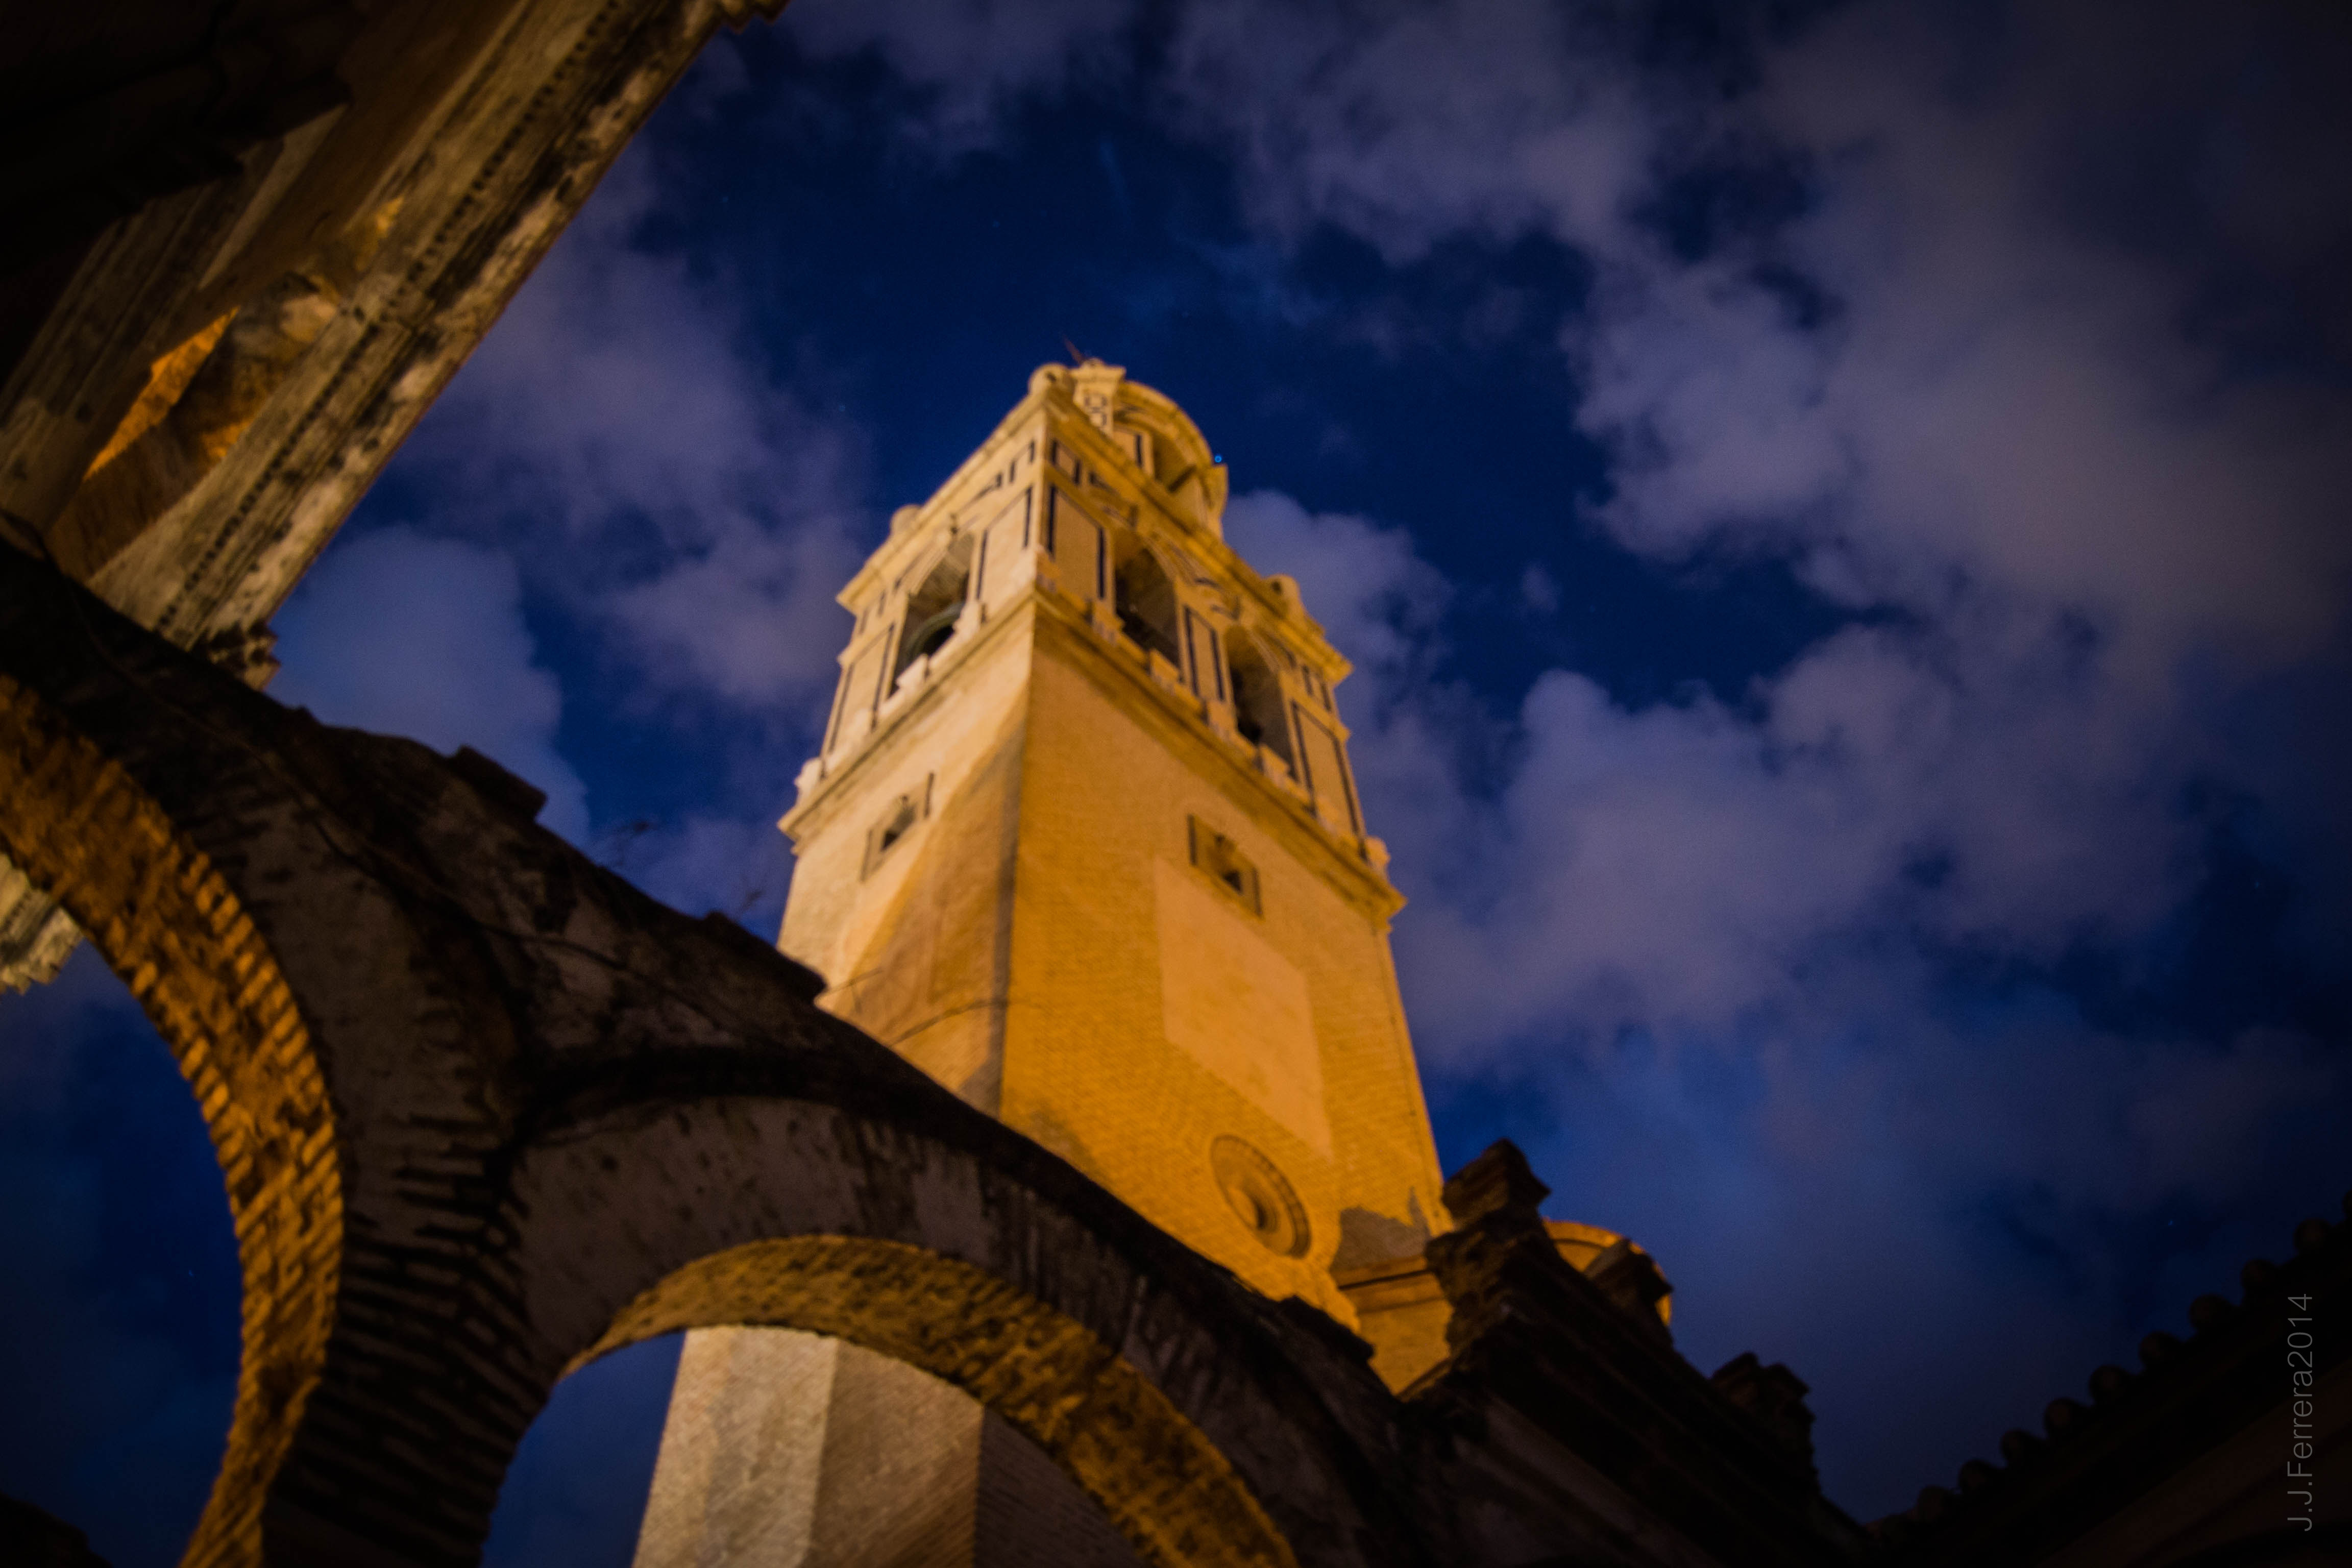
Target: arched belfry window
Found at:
933, 608
1146, 602
1258, 712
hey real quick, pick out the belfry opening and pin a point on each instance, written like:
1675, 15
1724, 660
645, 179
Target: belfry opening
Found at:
934, 608
1146, 603
1257, 696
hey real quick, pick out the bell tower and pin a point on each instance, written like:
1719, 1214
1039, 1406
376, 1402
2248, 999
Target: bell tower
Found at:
1082, 843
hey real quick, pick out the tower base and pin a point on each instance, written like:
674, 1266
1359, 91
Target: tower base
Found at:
792, 1450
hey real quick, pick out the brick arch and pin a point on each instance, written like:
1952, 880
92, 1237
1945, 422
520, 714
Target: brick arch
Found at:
477, 1097
1210, 1426
1153, 1473
166, 920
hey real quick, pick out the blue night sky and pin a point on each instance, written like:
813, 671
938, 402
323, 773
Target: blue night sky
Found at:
1840, 514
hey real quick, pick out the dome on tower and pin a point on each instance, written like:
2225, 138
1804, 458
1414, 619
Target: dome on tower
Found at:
1174, 452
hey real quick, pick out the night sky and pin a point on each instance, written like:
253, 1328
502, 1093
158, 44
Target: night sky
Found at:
1842, 516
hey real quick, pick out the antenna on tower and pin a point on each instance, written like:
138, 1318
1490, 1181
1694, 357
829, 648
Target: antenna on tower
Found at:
1076, 357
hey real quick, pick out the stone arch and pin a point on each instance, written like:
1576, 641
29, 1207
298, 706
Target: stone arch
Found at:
477, 1097
1144, 595
1153, 1473
933, 607
1208, 1425
166, 920
1260, 711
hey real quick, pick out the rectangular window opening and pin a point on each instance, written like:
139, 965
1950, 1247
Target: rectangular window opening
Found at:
897, 822
1222, 861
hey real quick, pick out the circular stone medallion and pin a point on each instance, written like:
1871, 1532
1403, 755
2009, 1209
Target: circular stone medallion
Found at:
1261, 1197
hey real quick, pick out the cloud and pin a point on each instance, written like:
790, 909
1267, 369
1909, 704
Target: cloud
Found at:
1364, 584
972, 62
2084, 534
1971, 310
2003, 405
406, 635
621, 431
1784, 969
638, 447
1404, 124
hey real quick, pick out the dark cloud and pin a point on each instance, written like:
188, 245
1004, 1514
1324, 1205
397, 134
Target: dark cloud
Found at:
629, 441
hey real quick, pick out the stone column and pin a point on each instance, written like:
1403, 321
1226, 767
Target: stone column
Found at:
791, 1450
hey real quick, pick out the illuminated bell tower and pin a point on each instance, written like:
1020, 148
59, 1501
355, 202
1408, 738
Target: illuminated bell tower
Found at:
1082, 844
